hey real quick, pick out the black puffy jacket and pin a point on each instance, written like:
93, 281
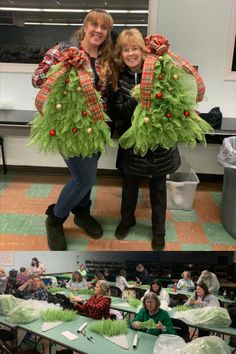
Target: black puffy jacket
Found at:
155, 163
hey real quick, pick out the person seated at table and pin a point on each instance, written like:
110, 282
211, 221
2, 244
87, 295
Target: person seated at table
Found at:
151, 310
34, 289
98, 276
202, 298
121, 281
185, 283
3, 281
98, 305
211, 281
142, 276
83, 271
22, 277
36, 267
162, 294
77, 282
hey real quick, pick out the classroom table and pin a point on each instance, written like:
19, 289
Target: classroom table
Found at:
221, 298
82, 345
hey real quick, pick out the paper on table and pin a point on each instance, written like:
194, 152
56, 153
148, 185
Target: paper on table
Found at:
48, 325
135, 342
69, 335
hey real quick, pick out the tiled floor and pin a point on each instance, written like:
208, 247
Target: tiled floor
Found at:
24, 198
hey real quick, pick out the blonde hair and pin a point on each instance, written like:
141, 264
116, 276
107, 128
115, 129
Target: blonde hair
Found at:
105, 49
104, 286
132, 37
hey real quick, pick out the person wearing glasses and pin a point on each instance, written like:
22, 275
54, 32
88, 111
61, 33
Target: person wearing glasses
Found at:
34, 289
130, 53
151, 310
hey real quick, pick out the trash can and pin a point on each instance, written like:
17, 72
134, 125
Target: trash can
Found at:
227, 158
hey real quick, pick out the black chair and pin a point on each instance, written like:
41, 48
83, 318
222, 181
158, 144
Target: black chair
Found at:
64, 302
4, 166
6, 348
181, 329
115, 291
139, 292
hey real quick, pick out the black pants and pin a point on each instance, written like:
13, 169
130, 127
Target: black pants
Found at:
157, 189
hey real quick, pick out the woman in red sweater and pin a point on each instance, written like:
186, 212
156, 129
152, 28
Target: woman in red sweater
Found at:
98, 305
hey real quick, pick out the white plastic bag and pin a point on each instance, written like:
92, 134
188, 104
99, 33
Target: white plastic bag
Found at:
167, 343
207, 316
227, 152
204, 345
170, 343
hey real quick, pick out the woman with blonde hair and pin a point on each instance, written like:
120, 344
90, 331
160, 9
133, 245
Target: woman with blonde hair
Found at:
77, 282
130, 53
93, 43
98, 305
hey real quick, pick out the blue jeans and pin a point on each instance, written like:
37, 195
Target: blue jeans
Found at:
76, 193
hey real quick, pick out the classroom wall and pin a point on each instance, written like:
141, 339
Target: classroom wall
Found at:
57, 262
197, 30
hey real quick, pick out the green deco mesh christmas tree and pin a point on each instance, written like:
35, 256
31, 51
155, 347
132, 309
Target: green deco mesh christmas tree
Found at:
67, 125
171, 117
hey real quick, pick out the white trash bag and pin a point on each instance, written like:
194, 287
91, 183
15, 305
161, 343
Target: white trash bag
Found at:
207, 316
170, 343
227, 152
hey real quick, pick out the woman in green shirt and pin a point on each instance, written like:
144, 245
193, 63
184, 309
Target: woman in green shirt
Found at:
151, 310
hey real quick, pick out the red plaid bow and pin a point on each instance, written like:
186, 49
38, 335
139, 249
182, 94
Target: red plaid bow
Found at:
72, 57
157, 46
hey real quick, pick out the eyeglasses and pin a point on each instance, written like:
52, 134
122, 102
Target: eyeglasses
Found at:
132, 50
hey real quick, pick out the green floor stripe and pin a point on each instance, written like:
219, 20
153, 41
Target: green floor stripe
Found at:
39, 190
196, 247
22, 224
184, 215
216, 234
216, 196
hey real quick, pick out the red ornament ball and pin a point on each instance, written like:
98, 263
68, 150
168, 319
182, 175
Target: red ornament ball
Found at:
84, 113
74, 130
186, 113
159, 95
160, 77
168, 115
52, 132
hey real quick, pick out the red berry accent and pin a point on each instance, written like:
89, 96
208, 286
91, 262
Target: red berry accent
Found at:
186, 113
160, 77
74, 130
168, 115
84, 113
52, 132
67, 81
159, 95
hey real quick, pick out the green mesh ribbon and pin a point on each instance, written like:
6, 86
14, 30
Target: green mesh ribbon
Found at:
109, 328
172, 117
148, 324
67, 126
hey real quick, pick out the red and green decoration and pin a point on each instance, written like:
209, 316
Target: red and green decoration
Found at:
71, 120
169, 90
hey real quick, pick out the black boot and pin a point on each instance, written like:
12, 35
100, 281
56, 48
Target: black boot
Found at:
55, 233
122, 230
158, 238
84, 220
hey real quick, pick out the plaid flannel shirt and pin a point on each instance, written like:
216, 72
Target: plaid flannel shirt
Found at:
95, 307
53, 57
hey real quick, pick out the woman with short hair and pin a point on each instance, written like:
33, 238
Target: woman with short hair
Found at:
151, 310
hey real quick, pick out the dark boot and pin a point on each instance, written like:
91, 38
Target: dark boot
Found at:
122, 230
158, 240
84, 220
55, 233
